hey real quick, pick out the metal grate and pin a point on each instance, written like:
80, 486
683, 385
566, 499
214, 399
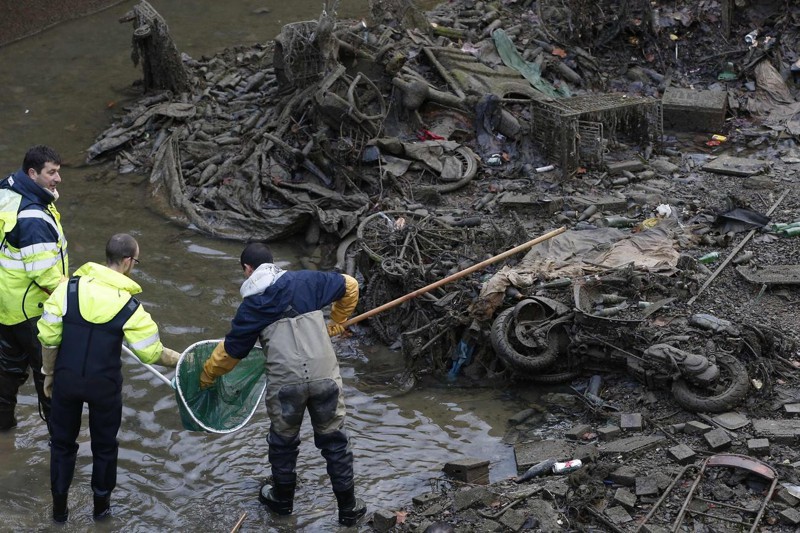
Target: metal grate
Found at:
577, 131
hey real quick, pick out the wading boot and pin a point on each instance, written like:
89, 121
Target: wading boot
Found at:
60, 510
279, 498
102, 507
351, 509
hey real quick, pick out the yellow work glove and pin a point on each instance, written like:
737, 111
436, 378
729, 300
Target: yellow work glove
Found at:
219, 364
168, 358
344, 306
49, 354
335, 329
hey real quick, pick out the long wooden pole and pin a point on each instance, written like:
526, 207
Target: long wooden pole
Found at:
455, 276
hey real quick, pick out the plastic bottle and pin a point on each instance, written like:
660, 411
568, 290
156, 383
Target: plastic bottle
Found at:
709, 258
569, 466
789, 232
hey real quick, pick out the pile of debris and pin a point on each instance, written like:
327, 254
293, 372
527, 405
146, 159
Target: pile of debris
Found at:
661, 134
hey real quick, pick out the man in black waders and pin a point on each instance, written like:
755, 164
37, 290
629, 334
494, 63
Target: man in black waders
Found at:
84, 323
283, 310
33, 261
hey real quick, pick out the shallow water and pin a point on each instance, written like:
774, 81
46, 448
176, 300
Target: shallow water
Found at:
62, 88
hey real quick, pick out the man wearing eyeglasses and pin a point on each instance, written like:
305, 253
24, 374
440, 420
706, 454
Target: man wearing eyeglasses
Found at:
33, 261
84, 323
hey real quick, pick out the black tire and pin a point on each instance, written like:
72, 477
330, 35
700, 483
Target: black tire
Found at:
552, 379
731, 389
506, 350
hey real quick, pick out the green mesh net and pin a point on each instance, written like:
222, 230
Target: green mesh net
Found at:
230, 403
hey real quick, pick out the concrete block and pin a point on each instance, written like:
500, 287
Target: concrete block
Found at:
682, 454
646, 486
790, 516
558, 488
624, 475
653, 528
630, 445
784, 496
717, 439
617, 167
792, 408
696, 428
780, 431
513, 519
631, 422
469, 470
426, 498
576, 432
521, 417
608, 432
472, 497
758, 446
618, 515
692, 110
383, 520
625, 498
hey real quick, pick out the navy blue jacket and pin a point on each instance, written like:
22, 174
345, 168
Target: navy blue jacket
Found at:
303, 290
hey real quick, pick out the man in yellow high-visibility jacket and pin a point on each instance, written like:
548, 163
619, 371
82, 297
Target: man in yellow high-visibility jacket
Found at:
33, 260
84, 324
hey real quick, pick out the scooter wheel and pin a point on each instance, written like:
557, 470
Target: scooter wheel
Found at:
731, 388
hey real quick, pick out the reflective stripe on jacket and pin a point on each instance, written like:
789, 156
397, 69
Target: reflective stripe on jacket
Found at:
102, 293
33, 253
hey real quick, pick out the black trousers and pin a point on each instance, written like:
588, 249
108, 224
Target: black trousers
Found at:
104, 397
19, 350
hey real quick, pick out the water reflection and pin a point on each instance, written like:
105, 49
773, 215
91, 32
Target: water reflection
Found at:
62, 88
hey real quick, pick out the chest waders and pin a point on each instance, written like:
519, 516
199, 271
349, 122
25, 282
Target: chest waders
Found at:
88, 370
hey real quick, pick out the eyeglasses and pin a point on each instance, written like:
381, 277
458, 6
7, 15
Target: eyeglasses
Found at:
134, 259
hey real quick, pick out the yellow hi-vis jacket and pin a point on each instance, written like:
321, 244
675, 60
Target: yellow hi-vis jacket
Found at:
102, 294
33, 249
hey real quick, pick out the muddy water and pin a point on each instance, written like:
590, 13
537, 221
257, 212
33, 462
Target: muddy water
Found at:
62, 88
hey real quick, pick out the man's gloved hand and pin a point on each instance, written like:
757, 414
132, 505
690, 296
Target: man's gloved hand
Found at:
48, 386
168, 358
219, 364
334, 329
49, 354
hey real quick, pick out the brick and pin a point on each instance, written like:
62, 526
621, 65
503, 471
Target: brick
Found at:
383, 520
608, 432
693, 110
576, 432
631, 422
758, 446
717, 440
469, 470
696, 428
625, 498
682, 454
646, 486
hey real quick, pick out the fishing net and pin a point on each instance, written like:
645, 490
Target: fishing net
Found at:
230, 403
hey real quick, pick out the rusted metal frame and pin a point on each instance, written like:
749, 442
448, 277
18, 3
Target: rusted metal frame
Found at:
732, 461
718, 517
723, 504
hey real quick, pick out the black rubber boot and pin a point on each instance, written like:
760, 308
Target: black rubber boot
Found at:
60, 510
102, 507
351, 509
279, 498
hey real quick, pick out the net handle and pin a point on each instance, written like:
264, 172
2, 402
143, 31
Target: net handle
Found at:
160, 376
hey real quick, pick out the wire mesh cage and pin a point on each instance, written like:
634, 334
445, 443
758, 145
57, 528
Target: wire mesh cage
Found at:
303, 60
577, 131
